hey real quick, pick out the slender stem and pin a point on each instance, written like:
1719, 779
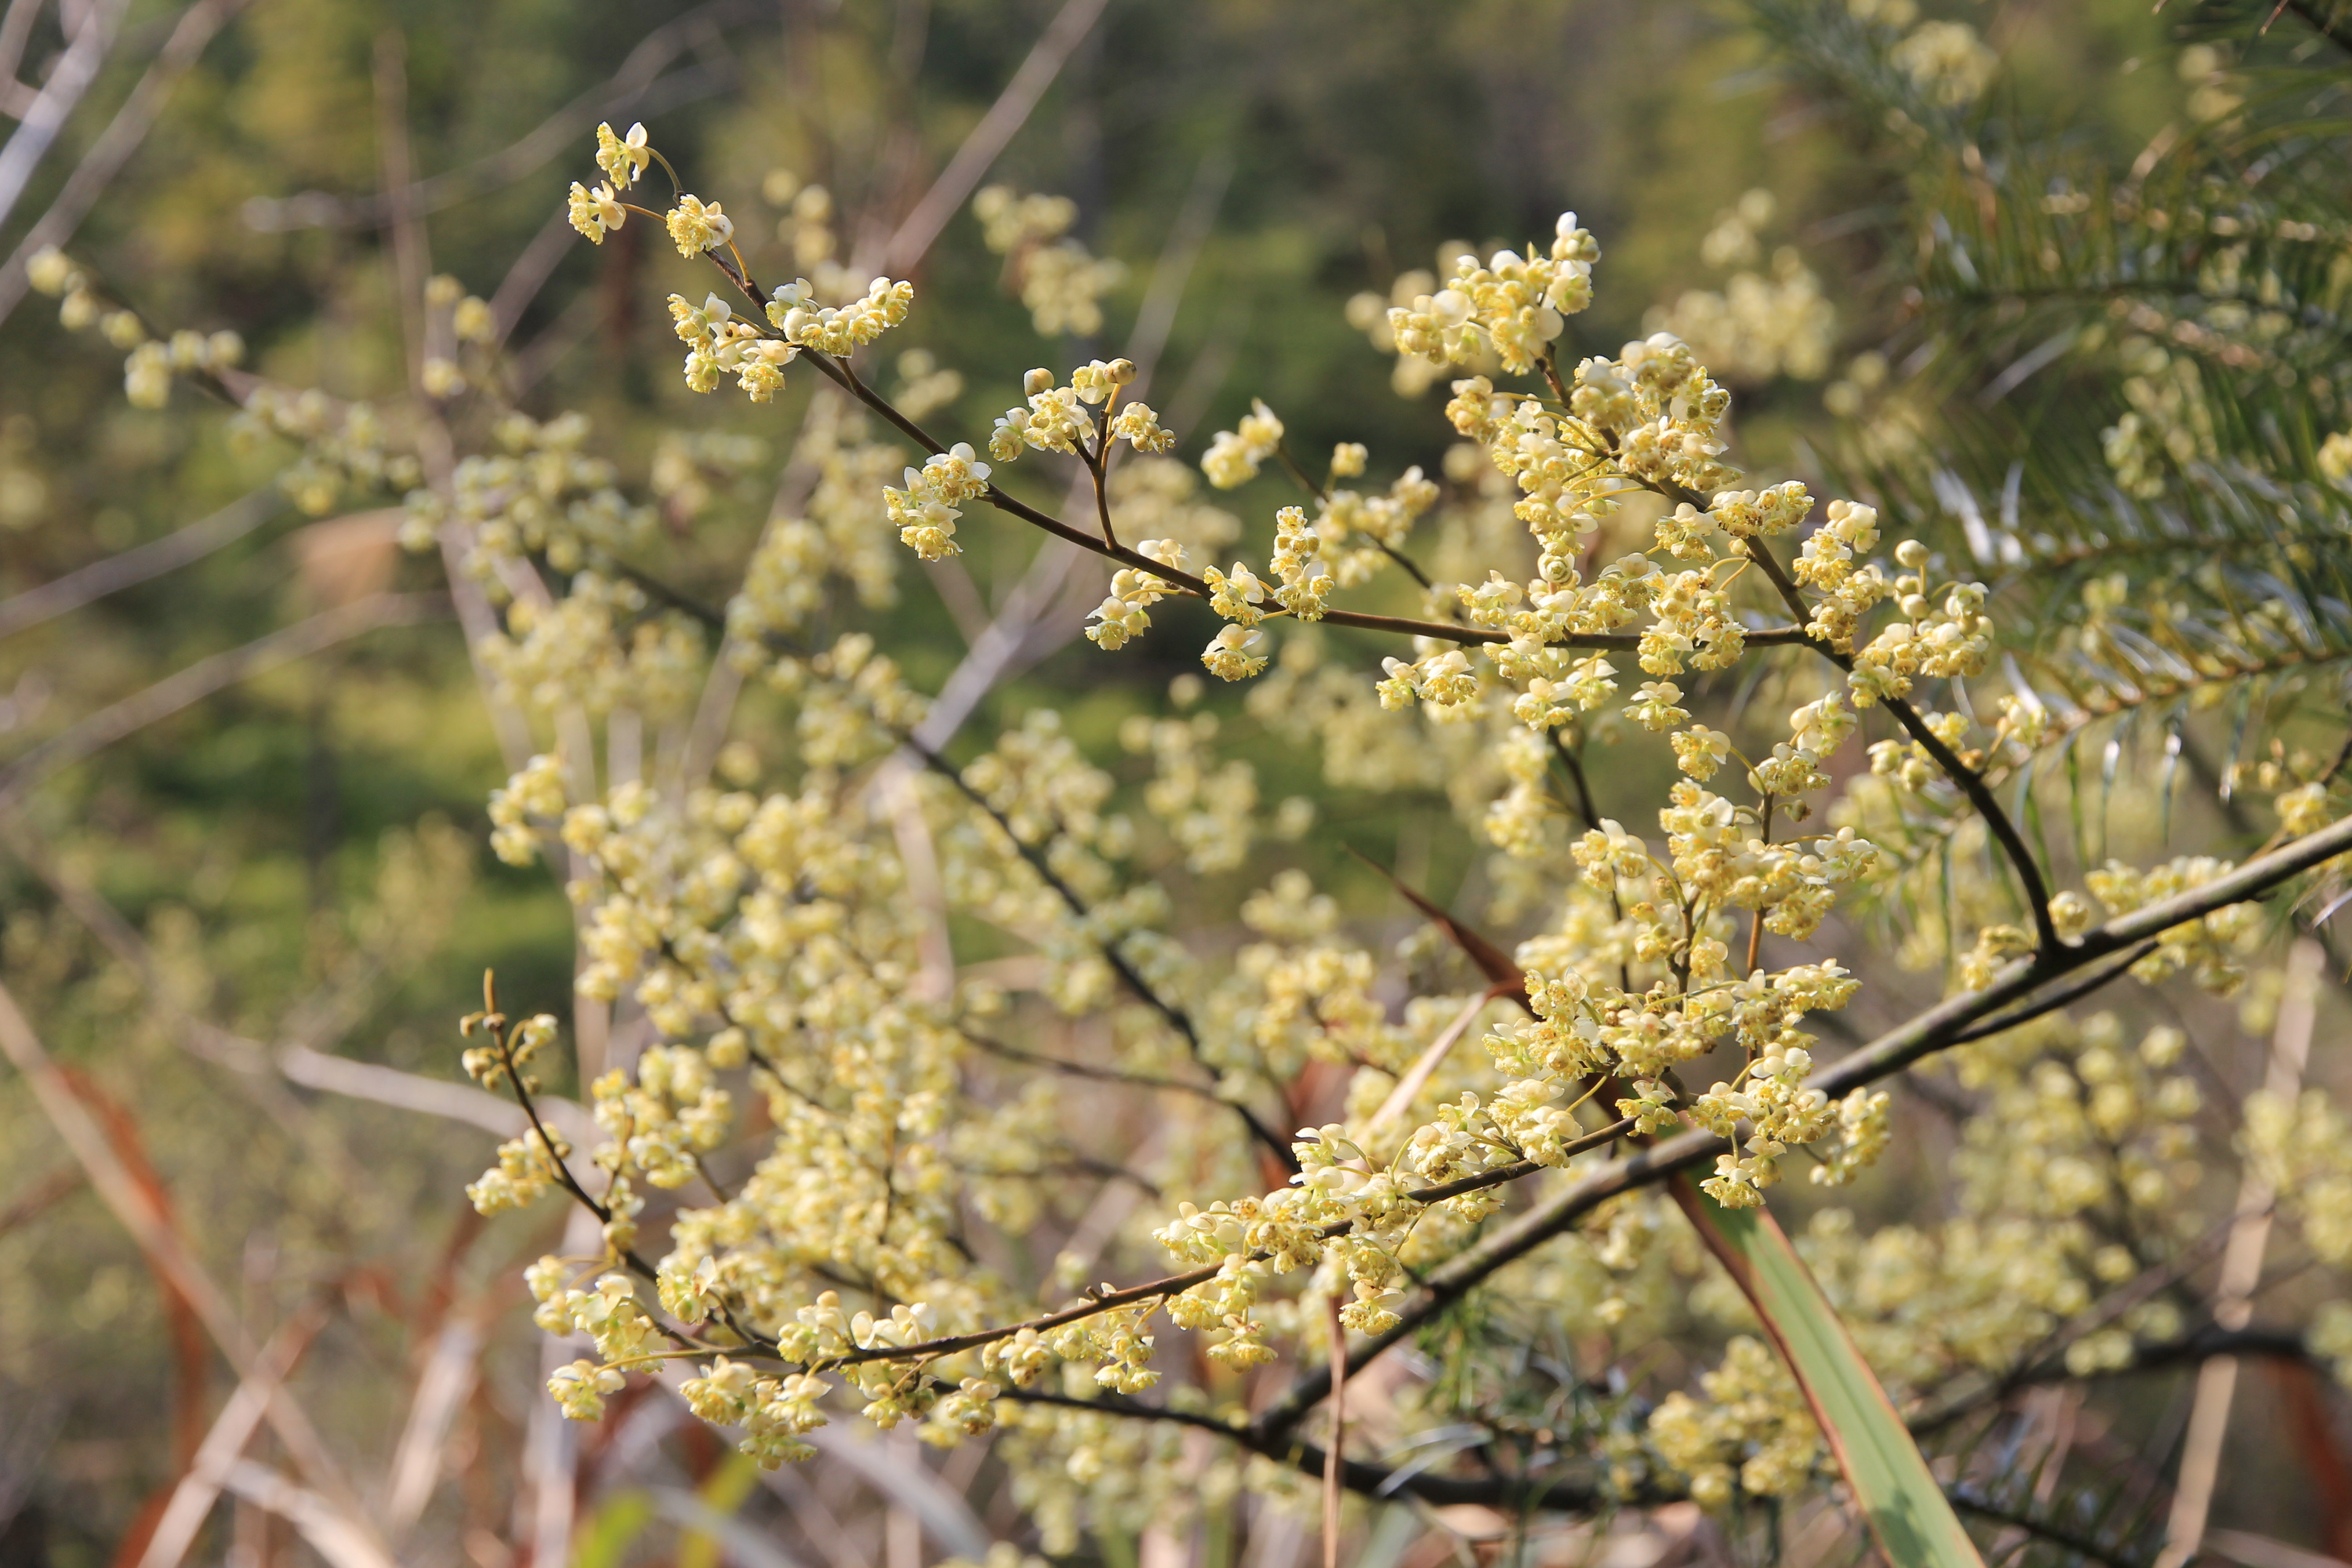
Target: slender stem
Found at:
1971, 782
2073, 991
1335, 1458
1087, 1070
1282, 450
1096, 467
1574, 765
1550, 364
497, 1028
1513, 1492
1404, 560
1756, 915
838, 371
1583, 787
1176, 1018
1929, 1032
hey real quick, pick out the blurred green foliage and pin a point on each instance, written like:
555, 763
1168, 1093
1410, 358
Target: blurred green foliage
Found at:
250, 835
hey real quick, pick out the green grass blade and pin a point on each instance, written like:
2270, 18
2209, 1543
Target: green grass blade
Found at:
1907, 1513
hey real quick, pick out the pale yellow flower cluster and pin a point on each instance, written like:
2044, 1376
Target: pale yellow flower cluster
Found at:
840, 331
792, 574
718, 341
599, 648
1753, 1408
624, 159
2211, 949
1211, 811
1060, 283
147, 375
925, 511
1943, 633
1758, 327
1368, 313
786, 948
1234, 456
1947, 61
539, 497
1515, 305
2170, 425
2083, 1136
346, 449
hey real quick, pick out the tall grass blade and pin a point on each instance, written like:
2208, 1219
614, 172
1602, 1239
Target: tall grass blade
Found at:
1898, 1497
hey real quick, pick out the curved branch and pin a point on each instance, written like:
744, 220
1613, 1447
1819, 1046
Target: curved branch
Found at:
117, 143
1934, 1030
839, 373
1371, 1480
1970, 782
1176, 1018
2050, 1001
1005, 117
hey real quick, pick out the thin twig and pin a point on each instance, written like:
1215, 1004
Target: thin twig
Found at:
163, 1246
115, 145
2241, 1271
637, 85
1922, 1036
839, 372
1335, 1459
1356, 1474
2063, 996
1969, 782
1011, 110
70, 78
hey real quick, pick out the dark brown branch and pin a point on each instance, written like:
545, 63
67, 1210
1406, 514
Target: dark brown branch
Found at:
1356, 1474
1031, 855
502, 1034
1583, 787
1922, 1035
1175, 1016
1969, 782
2073, 991
1967, 1501
1087, 1070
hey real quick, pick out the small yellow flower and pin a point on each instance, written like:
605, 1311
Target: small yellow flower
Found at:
596, 212
695, 226
623, 158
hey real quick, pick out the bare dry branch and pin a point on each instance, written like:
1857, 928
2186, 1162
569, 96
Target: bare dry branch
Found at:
116, 144
997, 128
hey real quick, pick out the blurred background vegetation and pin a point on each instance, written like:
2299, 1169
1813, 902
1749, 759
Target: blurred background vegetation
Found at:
298, 857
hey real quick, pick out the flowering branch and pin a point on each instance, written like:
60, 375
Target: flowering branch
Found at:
1970, 782
838, 370
1940, 1028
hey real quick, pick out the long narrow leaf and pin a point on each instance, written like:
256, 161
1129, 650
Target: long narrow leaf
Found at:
1907, 1513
